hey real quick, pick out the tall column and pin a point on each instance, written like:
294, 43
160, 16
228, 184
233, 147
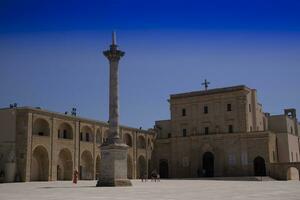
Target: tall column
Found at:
113, 166
113, 55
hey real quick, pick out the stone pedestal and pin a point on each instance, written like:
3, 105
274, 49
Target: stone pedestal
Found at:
113, 167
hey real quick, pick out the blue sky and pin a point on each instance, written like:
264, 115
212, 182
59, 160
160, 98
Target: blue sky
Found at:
51, 53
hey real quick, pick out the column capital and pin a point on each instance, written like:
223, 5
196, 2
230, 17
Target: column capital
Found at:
113, 54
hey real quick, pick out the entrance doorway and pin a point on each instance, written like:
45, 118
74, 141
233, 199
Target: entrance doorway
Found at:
208, 164
164, 169
259, 166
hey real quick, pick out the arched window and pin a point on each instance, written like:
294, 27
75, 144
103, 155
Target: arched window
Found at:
141, 142
41, 127
127, 139
86, 134
65, 131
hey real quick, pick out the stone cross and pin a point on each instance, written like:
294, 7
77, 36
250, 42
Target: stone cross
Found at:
206, 83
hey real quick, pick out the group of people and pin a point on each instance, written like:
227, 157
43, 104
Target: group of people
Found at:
154, 176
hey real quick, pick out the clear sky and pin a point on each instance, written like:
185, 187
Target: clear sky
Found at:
51, 53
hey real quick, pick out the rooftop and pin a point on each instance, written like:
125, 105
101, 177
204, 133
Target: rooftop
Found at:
210, 92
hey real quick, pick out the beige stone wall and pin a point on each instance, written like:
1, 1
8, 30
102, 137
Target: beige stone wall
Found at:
164, 128
234, 154
217, 119
278, 123
66, 143
285, 171
7, 136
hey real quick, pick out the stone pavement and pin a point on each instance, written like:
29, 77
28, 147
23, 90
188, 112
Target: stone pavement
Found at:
166, 189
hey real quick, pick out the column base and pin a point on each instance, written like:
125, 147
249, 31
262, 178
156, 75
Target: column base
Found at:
113, 166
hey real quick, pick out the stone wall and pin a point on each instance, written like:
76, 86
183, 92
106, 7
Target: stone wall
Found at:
285, 171
52, 145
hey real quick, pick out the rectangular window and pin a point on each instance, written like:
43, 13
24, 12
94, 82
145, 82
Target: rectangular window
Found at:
205, 109
81, 137
292, 156
274, 158
169, 135
249, 107
206, 130
230, 129
184, 132
41, 133
229, 107
183, 112
58, 133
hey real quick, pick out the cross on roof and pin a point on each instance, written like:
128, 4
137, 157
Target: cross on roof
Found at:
206, 83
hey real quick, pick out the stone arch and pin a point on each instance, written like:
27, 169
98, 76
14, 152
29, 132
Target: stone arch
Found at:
259, 166
292, 173
86, 166
39, 164
65, 131
127, 139
98, 137
164, 168
65, 165
208, 164
98, 162
41, 127
129, 167
142, 166
141, 142
86, 134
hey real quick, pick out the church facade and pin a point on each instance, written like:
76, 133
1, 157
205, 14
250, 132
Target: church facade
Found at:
39, 145
224, 132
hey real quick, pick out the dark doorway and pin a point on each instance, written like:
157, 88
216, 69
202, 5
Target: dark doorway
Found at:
259, 166
164, 169
208, 164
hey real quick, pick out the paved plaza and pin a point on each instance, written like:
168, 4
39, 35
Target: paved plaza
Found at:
166, 189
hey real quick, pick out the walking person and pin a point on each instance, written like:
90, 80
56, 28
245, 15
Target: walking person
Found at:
75, 176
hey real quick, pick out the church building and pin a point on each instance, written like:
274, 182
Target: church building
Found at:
225, 132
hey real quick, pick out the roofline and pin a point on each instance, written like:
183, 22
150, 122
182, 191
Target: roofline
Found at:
210, 92
71, 117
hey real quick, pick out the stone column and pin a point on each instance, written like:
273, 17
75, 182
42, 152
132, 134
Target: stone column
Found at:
113, 166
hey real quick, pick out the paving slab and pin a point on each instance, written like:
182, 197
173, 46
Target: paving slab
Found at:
165, 189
